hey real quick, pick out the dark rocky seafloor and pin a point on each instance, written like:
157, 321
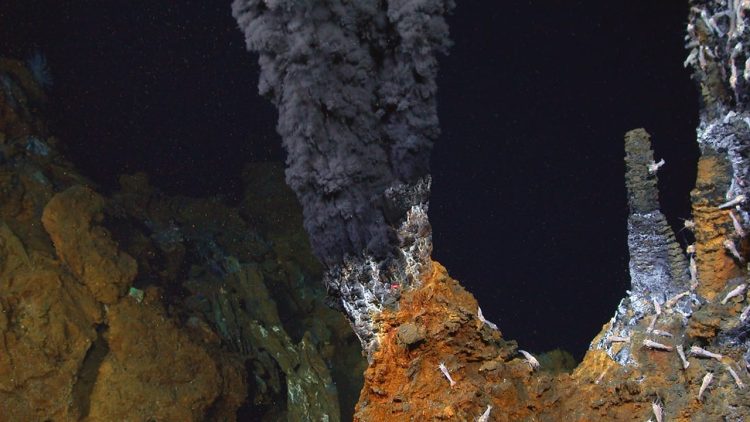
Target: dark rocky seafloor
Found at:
143, 306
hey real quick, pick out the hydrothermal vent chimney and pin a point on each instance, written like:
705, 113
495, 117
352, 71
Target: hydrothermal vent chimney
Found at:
354, 83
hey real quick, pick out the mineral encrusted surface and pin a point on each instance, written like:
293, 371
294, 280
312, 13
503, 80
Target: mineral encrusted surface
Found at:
658, 267
144, 306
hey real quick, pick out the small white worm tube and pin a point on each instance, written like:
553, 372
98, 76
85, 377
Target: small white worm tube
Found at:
704, 384
653, 167
601, 377
656, 346
715, 27
745, 313
673, 301
481, 318
702, 57
486, 415
662, 333
730, 246
736, 377
732, 202
704, 16
681, 353
618, 339
737, 225
445, 372
703, 353
693, 273
530, 359
691, 57
735, 292
658, 411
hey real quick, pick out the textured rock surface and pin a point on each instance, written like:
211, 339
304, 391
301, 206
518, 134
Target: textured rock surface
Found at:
47, 326
148, 368
142, 306
256, 292
404, 383
713, 226
658, 267
70, 218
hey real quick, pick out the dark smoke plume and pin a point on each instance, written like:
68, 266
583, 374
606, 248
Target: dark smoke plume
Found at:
354, 83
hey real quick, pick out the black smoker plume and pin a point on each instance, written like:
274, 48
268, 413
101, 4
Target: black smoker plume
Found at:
354, 83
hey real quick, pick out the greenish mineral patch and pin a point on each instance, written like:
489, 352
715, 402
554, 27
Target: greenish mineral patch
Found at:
136, 294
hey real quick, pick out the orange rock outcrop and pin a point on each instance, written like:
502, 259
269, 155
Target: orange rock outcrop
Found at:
404, 383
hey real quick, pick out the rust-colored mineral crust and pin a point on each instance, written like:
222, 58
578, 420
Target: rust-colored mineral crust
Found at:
712, 226
437, 323
404, 381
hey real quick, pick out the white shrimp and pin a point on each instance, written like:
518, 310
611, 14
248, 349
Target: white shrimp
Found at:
445, 372
656, 346
530, 359
704, 384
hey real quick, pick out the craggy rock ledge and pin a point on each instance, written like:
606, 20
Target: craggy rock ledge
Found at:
144, 306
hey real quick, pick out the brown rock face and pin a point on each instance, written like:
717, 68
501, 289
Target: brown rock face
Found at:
46, 329
71, 219
405, 382
149, 368
712, 226
143, 306
69, 358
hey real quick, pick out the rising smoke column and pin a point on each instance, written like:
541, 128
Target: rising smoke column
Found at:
354, 83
